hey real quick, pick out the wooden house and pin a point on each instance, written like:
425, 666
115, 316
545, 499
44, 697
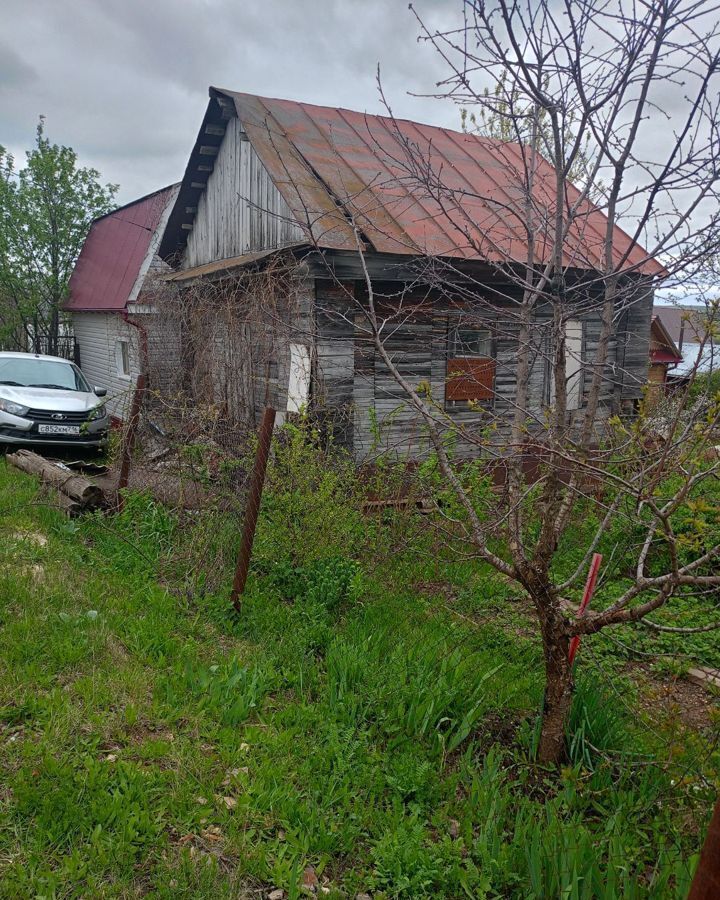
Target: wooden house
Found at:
684, 342
114, 324
286, 213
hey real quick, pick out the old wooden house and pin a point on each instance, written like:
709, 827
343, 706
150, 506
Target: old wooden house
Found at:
288, 213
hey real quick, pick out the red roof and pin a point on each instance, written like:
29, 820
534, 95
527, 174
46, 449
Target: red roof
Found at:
335, 167
113, 253
686, 322
662, 347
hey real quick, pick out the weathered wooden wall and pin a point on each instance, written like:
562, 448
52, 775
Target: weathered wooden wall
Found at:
368, 410
241, 210
234, 343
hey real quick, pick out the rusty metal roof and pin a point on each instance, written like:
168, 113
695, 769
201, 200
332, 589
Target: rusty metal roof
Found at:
113, 254
662, 347
340, 170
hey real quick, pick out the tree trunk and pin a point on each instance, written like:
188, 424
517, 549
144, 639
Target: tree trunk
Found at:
558, 697
54, 330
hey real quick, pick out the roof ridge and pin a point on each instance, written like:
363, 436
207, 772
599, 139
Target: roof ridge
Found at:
359, 112
162, 190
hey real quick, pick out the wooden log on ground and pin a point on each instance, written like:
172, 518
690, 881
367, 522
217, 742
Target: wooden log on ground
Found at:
76, 487
70, 507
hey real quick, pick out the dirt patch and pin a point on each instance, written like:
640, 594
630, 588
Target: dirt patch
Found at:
433, 589
674, 697
164, 487
31, 537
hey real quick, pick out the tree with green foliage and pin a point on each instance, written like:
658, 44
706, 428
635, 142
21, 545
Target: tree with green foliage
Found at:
46, 209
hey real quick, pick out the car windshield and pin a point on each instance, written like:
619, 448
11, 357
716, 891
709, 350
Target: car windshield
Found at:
45, 373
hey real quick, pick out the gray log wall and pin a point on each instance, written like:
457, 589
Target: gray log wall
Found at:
368, 411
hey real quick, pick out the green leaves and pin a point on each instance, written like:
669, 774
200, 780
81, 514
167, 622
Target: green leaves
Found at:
46, 209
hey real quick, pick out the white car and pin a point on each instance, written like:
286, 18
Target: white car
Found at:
46, 400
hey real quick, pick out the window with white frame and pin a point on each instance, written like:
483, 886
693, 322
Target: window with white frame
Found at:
122, 358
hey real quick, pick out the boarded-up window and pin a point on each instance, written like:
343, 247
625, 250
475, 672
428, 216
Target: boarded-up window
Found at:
574, 375
299, 382
470, 366
573, 363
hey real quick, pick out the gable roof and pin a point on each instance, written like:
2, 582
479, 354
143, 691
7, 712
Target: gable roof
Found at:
112, 260
683, 323
662, 347
335, 168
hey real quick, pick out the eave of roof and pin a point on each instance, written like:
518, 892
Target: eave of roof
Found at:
664, 356
222, 266
662, 335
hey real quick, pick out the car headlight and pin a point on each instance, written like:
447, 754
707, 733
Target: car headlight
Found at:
98, 413
10, 406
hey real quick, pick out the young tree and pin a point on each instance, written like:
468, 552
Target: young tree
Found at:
630, 93
46, 209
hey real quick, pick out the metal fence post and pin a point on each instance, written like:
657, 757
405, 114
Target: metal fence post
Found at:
129, 438
706, 883
257, 480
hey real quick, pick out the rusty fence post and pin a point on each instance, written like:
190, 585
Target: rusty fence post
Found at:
257, 480
129, 438
706, 883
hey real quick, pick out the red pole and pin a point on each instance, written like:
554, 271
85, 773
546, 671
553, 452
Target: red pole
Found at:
129, 440
587, 596
257, 480
706, 883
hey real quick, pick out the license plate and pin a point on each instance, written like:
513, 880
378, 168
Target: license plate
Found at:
59, 429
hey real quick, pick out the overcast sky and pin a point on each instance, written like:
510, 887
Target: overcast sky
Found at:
124, 82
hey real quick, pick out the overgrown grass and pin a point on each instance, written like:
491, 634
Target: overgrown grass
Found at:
153, 743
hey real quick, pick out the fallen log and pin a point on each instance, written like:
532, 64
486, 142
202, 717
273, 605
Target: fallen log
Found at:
70, 507
79, 489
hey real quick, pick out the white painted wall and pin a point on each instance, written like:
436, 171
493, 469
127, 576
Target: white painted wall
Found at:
99, 335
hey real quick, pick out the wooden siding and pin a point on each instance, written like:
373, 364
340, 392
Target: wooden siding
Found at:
97, 335
368, 409
240, 210
233, 343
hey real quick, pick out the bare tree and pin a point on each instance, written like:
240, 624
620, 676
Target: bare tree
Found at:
630, 91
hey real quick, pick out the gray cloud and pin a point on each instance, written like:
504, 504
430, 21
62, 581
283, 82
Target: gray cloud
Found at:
15, 73
125, 81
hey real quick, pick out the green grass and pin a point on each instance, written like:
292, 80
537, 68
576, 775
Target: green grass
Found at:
154, 744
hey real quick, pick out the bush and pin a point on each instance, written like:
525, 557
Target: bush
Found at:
311, 503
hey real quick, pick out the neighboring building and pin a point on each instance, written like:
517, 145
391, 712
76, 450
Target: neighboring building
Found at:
687, 328
276, 199
111, 319
665, 357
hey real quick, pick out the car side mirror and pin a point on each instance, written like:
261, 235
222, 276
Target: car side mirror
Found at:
99, 392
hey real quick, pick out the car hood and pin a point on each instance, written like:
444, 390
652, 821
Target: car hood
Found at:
45, 398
